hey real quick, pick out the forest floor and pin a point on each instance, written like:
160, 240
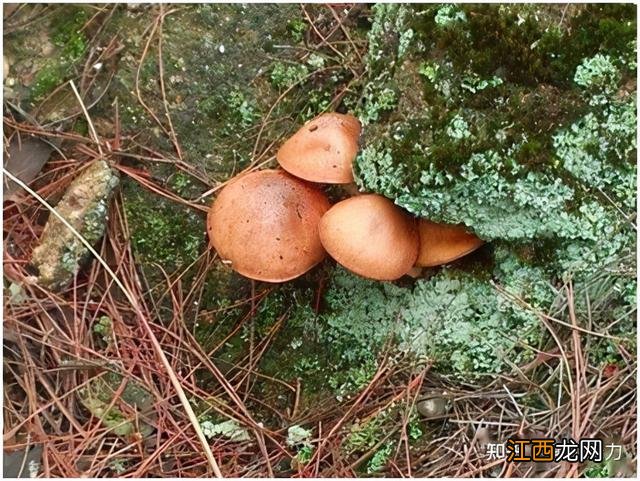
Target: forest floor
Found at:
159, 350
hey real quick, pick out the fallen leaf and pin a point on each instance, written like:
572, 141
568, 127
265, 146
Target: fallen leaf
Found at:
24, 158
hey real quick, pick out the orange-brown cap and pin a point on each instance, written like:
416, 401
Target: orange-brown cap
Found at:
323, 150
266, 225
442, 243
370, 236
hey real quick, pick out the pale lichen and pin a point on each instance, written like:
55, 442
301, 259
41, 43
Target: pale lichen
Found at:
84, 206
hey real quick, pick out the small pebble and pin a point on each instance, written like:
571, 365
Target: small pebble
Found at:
433, 407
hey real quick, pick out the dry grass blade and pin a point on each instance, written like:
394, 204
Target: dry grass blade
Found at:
92, 129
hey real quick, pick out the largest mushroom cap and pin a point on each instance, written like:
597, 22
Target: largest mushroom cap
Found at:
442, 243
266, 224
370, 236
323, 150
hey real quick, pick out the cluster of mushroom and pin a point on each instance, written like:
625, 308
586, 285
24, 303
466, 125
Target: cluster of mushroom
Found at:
275, 225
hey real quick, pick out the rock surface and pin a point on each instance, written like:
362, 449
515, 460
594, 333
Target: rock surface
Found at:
84, 205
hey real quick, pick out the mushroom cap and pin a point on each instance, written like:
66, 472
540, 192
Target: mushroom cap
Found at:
370, 236
323, 149
442, 243
266, 224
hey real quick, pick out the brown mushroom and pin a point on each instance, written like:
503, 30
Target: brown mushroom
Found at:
265, 224
323, 150
442, 243
370, 236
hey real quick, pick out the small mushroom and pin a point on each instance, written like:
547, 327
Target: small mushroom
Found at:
441, 243
323, 150
265, 225
370, 236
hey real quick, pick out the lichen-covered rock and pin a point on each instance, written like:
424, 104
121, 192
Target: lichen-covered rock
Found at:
522, 127
534, 146
84, 205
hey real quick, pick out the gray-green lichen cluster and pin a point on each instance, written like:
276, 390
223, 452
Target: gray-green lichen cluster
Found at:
460, 321
512, 156
521, 127
84, 206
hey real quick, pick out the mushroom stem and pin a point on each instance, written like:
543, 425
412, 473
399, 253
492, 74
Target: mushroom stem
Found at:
351, 189
415, 272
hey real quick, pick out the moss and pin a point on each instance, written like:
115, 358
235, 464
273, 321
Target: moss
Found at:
297, 27
296, 352
66, 29
72, 44
604, 28
527, 43
220, 101
103, 328
48, 78
162, 232
364, 436
299, 352
284, 76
